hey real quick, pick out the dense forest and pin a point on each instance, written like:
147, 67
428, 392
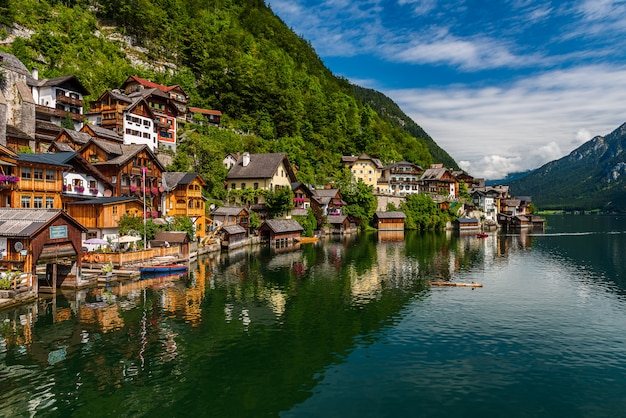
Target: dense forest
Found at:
235, 56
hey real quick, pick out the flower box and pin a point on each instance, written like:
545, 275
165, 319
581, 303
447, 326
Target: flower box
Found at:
79, 189
93, 190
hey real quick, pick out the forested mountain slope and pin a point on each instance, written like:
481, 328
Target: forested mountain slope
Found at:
593, 176
235, 56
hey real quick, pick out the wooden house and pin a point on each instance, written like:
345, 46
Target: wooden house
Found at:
57, 98
280, 231
438, 180
183, 197
41, 237
178, 239
175, 93
204, 116
233, 236
329, 201
402, 178
226, 216
340, 224
389, 221
128, 168
466, 224
101, 216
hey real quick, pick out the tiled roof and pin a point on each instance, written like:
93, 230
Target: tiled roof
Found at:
283, 225
335, 219
60, 159
260, 166
228, 211
390, 215
174, 178
173, 237
234, 229
204, 111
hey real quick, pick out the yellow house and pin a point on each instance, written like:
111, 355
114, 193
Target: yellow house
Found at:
183, 197
40, 182
261, 171
364, 168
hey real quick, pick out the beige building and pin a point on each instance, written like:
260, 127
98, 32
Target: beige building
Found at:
364, 168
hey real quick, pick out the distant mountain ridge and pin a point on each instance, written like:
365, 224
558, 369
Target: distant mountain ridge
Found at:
593, 176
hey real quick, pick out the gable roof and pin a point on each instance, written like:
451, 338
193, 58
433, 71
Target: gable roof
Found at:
396, 214
59, 159
99, 132
68, 82
204, 111
260, 166
24, 223
151, 84
234, 229
228, 211
283, 225
336, 219
435, 173
106, 200
172, 179
173, 237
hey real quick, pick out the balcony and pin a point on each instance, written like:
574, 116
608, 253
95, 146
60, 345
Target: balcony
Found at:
61, 98
61, 114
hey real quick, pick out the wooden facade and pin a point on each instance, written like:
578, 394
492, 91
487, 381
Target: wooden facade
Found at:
233, 236
183, 197
278, 231
389, 221
101, 216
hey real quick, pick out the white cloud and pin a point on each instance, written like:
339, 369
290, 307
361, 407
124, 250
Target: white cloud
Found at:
495, 131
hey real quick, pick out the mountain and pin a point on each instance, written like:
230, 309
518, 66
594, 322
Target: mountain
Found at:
593, 176
508, 179
235, 56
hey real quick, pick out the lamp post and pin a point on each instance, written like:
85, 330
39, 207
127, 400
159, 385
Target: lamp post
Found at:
143, 175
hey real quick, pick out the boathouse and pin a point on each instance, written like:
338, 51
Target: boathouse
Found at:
467, 224
44, 240
280, 231
231, 216
178, 239
233, 236
389, 221
340, 224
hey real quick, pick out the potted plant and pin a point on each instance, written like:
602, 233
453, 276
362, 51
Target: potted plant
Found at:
107, 269
80, 189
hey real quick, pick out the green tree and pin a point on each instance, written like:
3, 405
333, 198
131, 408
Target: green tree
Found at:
360, 202
67, 122
183, 223
422, 213
278, 201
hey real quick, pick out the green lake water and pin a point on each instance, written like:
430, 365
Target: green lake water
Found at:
341, 328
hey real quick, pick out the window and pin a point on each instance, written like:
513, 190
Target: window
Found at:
114, 210
77, 182
38, 175
38, 202
26, 201
233, 186
26, 173
49, 175
256, 186
243, 186
49, 202
92, 184
113, 179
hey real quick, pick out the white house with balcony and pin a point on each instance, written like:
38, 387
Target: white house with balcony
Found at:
140, 125
58, 97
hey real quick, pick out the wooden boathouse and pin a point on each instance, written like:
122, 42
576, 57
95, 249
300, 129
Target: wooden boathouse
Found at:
48, 239
279, 232
389, 221
233, 236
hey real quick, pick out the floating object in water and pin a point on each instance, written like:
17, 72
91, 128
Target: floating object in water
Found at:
452, 284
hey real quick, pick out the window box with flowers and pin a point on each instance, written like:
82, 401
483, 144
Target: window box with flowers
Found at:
80, 189
154, 191
4, 179
133, 188
93, 190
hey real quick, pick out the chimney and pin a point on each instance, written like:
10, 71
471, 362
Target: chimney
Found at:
246, 159
36, 73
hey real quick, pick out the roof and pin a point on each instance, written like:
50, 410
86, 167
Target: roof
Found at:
151, 84
403, 164
283, 225
13, 132
467, 220
204, 111
351, 159
103, 133
25, 223
175, 178
234, 229
63, 81
228, 211
59, 159
434, 173
336, 219
77, 137
260, 166
390, 215
105, 200
173, 237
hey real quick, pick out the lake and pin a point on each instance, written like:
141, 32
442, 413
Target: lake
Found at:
343, 328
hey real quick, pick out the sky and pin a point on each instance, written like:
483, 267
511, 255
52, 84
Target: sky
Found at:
503, 86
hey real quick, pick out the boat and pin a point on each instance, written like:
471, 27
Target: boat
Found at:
307, 240
482, 235
167, 268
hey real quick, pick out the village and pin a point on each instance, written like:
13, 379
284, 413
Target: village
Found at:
64, 189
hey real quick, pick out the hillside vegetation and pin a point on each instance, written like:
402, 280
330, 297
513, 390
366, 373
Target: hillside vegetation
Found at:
593, 176
232, 55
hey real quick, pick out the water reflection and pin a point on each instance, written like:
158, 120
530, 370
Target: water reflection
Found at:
269, 319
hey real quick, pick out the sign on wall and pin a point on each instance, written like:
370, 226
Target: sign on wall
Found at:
57, 232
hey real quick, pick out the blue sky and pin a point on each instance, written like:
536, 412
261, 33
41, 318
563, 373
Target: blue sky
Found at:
502, 86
